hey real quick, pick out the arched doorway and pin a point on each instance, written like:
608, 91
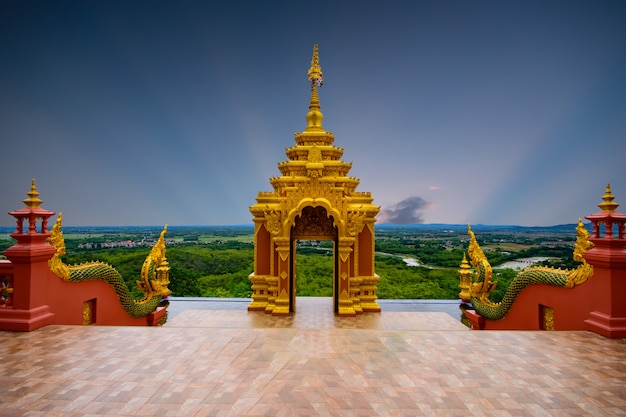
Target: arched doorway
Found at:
313, 223
314, 198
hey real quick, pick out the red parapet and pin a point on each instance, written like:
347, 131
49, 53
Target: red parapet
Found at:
596, 304
32, 296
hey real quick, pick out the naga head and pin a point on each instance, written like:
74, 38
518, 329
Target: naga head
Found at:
583, 244
474, 251
482, 285
56, 239
155, 270
56, 236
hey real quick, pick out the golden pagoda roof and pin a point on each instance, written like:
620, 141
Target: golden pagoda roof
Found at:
33, 200
314, 154
314, 167
608, 205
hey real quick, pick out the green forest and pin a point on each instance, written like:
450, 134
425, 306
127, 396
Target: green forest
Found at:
221, 270
216, 262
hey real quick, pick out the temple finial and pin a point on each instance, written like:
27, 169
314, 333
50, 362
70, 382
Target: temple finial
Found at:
32, 201
608, 205
315, 72
314, 117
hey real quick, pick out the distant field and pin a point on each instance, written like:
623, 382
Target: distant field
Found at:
242, 238
507, 246
70, 236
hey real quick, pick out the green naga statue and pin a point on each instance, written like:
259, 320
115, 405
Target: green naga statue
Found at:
154, 274
481, 286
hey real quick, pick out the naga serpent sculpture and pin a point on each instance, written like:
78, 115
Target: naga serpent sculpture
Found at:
154, 275
482, 285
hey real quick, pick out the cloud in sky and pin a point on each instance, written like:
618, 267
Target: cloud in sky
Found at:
407, 211
143, 112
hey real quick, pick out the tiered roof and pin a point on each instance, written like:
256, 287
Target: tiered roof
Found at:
314, 156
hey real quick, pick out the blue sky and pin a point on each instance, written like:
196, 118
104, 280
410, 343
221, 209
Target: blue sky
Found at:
154, 112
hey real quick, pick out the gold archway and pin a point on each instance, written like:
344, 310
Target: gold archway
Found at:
314, 199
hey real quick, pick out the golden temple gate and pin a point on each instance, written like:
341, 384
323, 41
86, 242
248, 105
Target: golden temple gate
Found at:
314, 199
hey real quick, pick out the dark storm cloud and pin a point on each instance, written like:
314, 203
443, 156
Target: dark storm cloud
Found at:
407, 211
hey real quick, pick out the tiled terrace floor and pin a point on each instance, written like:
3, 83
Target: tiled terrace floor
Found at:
235, 363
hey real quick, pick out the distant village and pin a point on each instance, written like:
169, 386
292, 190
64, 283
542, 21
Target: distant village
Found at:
143, 243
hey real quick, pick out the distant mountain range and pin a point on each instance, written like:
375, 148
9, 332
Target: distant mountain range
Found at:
560, 228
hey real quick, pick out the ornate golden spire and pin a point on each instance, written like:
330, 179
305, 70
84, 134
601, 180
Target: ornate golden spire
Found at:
465, 278
32, 201
314, 117
315, 72
608, 205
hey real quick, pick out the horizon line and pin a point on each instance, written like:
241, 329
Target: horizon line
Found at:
387, 224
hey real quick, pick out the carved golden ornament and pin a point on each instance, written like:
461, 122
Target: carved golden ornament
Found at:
281, 304
284, 275
314, 172
314, 154
344, 276
355, 222
283, 252
344, 252
161, 283
356, 251
305, 138
6, 291
345, 304
465, 278
88, 312
315, 189
547, 318
273, 221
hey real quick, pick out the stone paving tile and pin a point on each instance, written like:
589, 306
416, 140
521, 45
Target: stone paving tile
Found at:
180, 304
307, 320
196, 368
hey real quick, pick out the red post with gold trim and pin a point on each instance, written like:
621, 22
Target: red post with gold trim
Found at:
608, 257
30, 257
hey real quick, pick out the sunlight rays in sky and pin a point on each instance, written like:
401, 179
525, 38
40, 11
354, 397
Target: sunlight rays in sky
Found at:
150, 113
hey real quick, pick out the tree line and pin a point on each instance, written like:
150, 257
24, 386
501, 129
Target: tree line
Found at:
221, 268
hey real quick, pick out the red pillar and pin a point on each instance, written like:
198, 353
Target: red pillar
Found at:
29, 257
608, 257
